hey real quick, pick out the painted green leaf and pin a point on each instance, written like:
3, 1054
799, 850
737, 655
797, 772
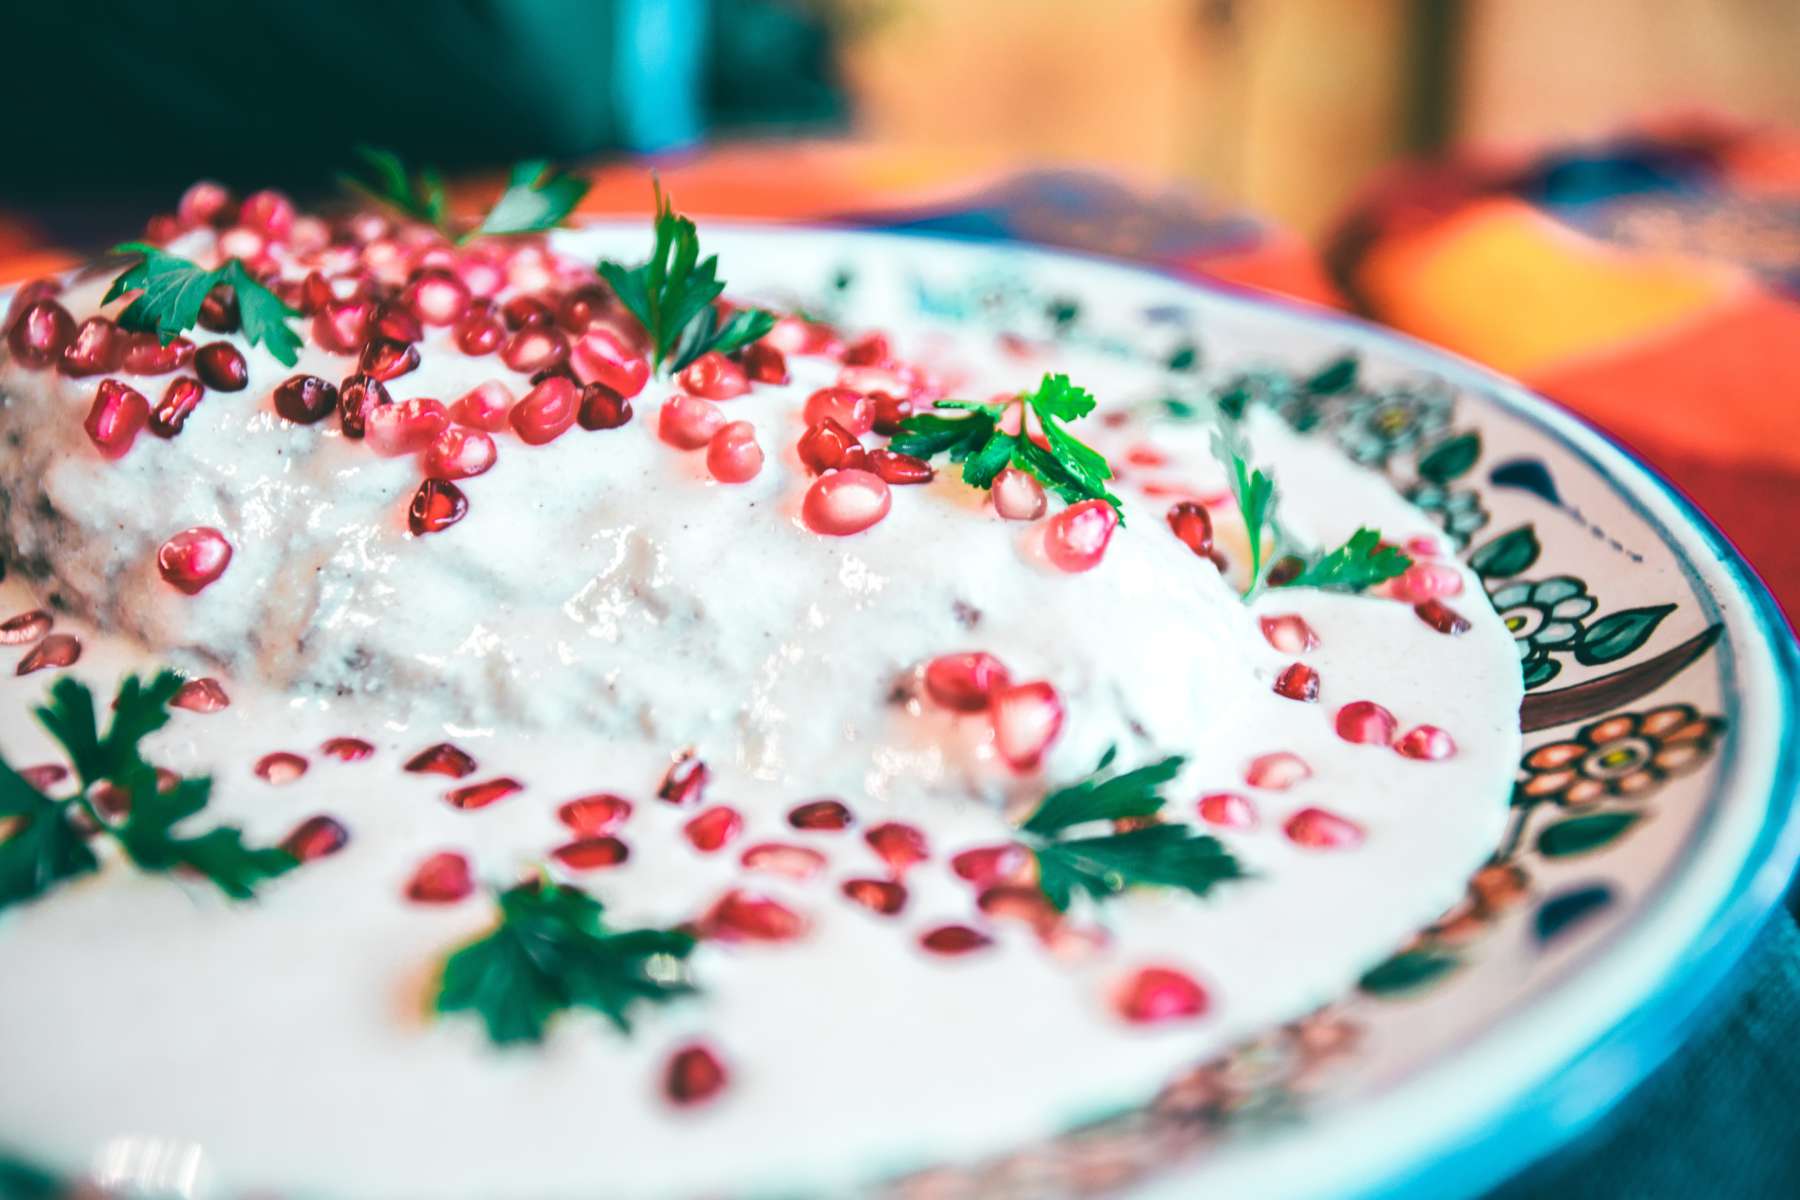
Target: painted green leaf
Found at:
1582, 835
1450, 459
1339, 376
1507, 555
1407, 971
1539, 671
1185, 358
1617, 634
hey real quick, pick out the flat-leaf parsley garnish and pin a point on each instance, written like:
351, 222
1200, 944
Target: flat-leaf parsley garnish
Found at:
550, 952
170, 290
1105, 865
976, 439
672, 295
538, 197
1362, 562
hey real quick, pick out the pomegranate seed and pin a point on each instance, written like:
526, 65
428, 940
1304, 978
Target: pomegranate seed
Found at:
795, 862
442, 759
40, 333
1076, 538
219, 310
592, 854
1027, 718
965, 682
579, 308
193, 559
347, 749
96, 348
953, 940
527, 312
869, 350
437, 298
871, 380
396, 324
883, 896
24, 628
484, 407
850, 409
712, 376
685, 781
269, 213
1366, 723
687, 423
343, 325
901, 847
459, 453
845, 502
733, 455
765, 364
117, 416
315, 293
1426, 742
1155, 994
1289, 634
1276, 772
1442, 617
56, 650
989, 866
1317, 829
26, 295
444, 878
479, 795
1025, 904
828, 446
546, 412
593, 815
280, 767
795, 335
145, 354
899, 468
246, 245
890, 413
405, 428
220, 367
1298, 681
1227, 810
386, 358
315, 838
713, 828
535, 349
1193, 525
1427, 581
694, 1076
435, 507
203, 695
820, 815
357, 398
204, 203
44, 776
603, 408
1018, 496
305, 399
601, 356
746, 916
478, 334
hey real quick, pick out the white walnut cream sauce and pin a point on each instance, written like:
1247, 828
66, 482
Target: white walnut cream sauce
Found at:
583, 610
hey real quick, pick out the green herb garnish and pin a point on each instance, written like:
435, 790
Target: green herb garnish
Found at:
1255, 495
551, 952
672, 294
48, 847
384, 178
171, 289
1067, 466
1105, 865
537, 197
1362, 562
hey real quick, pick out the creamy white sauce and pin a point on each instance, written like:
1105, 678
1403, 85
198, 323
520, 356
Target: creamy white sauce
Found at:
604, 605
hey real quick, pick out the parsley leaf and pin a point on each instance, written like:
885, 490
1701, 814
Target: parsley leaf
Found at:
1255, 494
170, 290
219, 854
383, 177
551, 952
43, 849
1359, 563
537, 198
1100, 797
672, 293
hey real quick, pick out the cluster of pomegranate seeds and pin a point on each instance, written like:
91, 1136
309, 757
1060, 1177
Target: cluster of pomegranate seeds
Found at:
443, 878
713, 828
25, 627
1151, 995
280, 767
591, 816
192, 560
203, 695
442, 759
56, 651
1298, 681
821, 815
316, 837
592, 853
1026, 717
694, 1076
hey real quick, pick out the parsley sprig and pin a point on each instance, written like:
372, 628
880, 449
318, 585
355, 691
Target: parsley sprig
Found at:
672, 295
1106, 865
170, 290
47, 847
1065, 465
550, 952
538, 196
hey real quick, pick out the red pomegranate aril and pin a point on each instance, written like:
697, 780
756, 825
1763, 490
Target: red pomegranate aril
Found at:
484, 407
406, 427
442, 759
1427, 743
763, 363
280, 767
97, 347
203, 203
694, 1076
602, 356
965, 682
712, 376
1027, 719
219, 310
316, 838
688, 423
902, 847
796, 335
1018, 496
343, 325
40, 334
386, 358
145, 354
269, 213
748, 917
1155, 994
580, 306
357, 398
527, 312
1228, 810
779, 858
954, 940
845, 502
459, 453
1276, 772
479, 795
1015, 902
193, 559
884, 896
733, 456
591, 816
535, 349
871, 380
827, 446
347, 749
1366, 723
817, 815
396, 323
26, 295
1193, 525
592, 854
684, 783
603, 408
1298, 681
1289, 633
203, 695
479, 334
26, 627
56, 650
443, 878
1442, 617
315, 293
711, 829
899, 469
435, 507
546, 412
890, 413
850, 409
869, 350
119, 413
44, 776
1427, 581
1317, 829
990, 866
220, 367
1075, 539
305, 399
437, 298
